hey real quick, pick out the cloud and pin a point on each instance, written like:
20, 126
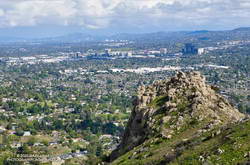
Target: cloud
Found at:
97, 14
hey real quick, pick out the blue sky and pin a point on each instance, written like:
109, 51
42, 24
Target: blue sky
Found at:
42, 18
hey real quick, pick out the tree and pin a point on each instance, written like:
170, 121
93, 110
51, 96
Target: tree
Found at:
99, 151
58, 124
24, 149
19, 132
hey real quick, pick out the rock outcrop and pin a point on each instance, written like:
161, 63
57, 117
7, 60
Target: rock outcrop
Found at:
167, 108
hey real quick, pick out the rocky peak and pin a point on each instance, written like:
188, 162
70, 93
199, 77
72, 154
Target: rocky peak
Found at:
168, 107
170, 87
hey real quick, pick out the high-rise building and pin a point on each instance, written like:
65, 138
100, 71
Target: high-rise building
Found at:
189, 49
78, 54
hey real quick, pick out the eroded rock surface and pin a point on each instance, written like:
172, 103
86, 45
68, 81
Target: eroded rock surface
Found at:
168, 107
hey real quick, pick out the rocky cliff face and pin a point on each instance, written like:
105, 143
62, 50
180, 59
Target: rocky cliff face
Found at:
170, 107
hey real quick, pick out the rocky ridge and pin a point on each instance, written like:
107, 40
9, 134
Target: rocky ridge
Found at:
183, 105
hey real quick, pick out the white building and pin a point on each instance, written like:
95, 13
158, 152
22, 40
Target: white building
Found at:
130, 54
201, 51
26, 133
164, 50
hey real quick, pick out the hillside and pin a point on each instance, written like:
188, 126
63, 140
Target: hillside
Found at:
183, 121
242, 33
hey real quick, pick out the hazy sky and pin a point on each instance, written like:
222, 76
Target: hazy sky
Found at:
47, 17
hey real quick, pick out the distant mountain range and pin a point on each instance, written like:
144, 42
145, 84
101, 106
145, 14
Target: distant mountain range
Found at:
238, 33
